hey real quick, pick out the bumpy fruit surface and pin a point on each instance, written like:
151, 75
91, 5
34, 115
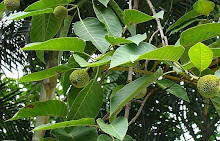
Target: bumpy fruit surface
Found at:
60, 12
12, 5
141, 94
79, 78
208, 86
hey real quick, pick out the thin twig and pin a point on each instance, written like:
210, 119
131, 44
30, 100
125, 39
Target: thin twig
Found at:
141, 107
103, 76
163, 37
152, 36
137, 101
106, 117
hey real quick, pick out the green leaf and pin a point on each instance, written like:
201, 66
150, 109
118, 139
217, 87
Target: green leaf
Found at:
201, 56
129, 53
132, 16
216, 102
83, 63
76, 134
129, 91
2, 8
204, 7
184, 18
117, 40
48, 139
104, 137
216, 52
137, 38
90, 29
42, 4
127, 138
44, 74
80, 122
66, 26
44, 27
22, 15
217, 73
170, 53
117, 128
174, 89
46, 108
109, 19
40, 55
104, 2
199, 33
58, 44
215, 44
117, 10
88, 102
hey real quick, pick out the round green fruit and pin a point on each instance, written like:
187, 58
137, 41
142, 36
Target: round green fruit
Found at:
12, 5
208, 86
141, 94
60, 12
79, 78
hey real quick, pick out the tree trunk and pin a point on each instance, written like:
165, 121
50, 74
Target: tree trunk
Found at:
48, 89
206, 131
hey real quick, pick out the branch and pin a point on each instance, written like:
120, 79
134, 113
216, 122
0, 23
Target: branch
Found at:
163, 37
141, 107
103, 76
152, 36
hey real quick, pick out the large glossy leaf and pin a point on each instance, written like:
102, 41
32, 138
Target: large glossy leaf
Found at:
201, 56
117, 128
80, 122
129, 91
199, 33
117, 10
76, 134
132, 16
109, 19
44, 27
42, 4
83, 63
90, 29
204, 7
184, 18
88, 102
46, 108
22, 15
44, 74
130, 53
174, 89
58, 44
216, 102
104, 2
170, 53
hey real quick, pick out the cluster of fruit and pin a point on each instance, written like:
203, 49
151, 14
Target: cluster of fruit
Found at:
60, 11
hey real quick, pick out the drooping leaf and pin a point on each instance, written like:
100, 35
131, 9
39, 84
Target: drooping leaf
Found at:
201, 56
44, 74
130, 53
130, 90
76, 134
42, 4
137, 38
83, 63
204, 7
184, 18
174, 89
199, 33
132, 16
117, 40
80, 122
109, 19
58, 44
170, 53
117, 10
117, 128
216, 102
88, 102
104, 2
44, 27
66, 26
90, 29
45, 108
22, 15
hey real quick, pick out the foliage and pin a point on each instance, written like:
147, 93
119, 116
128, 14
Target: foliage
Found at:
120, 48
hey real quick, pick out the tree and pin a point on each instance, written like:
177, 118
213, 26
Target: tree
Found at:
133, 65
